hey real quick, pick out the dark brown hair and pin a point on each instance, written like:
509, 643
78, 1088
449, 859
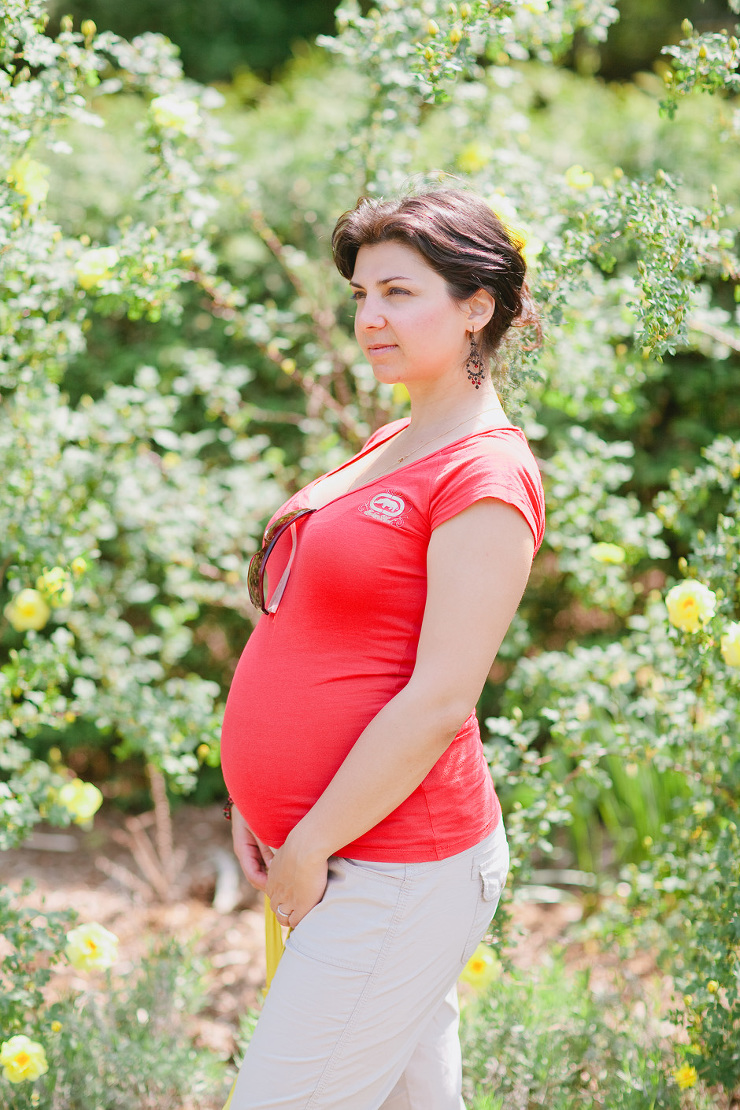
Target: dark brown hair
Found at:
460, 237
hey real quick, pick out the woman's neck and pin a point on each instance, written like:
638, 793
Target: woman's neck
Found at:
435, 411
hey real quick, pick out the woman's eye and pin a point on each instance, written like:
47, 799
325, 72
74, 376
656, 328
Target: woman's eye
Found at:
356, 295
404, 291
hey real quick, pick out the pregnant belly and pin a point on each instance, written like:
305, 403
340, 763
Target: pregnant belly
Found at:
281, 749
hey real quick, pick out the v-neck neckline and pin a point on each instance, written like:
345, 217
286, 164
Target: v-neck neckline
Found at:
391, 474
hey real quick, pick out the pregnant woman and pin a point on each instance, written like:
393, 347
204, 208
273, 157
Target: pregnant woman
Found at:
362, 801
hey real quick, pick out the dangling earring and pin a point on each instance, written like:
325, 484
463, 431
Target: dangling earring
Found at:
474, 363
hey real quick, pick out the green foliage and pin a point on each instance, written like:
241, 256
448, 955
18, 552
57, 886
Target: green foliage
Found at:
705, 62
542, 1039
175, 357
121, 1042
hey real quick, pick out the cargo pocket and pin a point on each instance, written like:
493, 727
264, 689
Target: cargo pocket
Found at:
490, 875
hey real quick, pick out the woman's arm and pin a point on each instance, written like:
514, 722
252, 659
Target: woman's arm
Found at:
477, 567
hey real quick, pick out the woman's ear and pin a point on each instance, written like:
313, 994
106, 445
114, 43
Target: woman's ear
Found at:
479, 309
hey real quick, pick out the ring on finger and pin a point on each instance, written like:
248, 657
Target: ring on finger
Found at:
283, 913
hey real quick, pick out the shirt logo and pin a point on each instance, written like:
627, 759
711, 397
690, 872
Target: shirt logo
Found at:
386, 506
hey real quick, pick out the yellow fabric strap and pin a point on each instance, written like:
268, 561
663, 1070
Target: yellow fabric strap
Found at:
274, 944
274, 948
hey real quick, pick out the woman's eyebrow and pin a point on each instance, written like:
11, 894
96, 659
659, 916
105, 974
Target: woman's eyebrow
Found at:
383, 281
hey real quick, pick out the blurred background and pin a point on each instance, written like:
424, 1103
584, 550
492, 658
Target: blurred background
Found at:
222, 39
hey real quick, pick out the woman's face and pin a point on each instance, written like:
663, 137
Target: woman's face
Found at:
407, 324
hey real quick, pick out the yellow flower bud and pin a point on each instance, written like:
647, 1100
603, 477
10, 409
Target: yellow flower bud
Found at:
732, 43
690, 605
712, 986
66, 23
91, 947
578, 178
702, 51
203, 751
456, 35
687, 27
56, 587
56, 1027
82, 799
88, 28
482, 968
432, 27
79, 566
429, 54
730, 645
22, 1059
96, 265
27, 610
607, 553
288, 366
465, 11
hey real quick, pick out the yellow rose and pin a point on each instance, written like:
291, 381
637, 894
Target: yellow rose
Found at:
685, 1076
27, 610
690, 604
55, 584
730, 645
29, 179
578, 178
172, 112
82, 799
91, 947
607, 553
22, 1059
482, 968
96, 265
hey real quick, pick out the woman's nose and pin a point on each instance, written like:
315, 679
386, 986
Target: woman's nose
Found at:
370, 314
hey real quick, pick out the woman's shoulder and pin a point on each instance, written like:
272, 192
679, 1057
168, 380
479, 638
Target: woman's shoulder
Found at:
506, 441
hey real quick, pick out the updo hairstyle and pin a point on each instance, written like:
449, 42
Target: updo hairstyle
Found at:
460, 237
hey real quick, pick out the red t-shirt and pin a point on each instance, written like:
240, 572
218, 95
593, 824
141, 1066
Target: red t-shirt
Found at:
343, 642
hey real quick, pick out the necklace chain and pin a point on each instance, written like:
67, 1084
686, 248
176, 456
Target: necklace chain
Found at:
440, 434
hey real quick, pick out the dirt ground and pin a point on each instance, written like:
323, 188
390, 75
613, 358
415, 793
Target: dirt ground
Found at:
73, 868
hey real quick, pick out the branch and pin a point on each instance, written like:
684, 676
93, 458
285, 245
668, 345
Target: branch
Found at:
719, 334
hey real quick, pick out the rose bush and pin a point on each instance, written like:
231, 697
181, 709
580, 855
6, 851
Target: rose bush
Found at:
175, 356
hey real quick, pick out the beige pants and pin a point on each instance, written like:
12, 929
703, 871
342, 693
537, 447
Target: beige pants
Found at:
362, 1013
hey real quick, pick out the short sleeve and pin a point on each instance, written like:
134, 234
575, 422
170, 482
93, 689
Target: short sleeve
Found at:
500, 465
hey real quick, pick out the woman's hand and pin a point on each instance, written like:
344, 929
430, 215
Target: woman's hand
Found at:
296, 881
254, 856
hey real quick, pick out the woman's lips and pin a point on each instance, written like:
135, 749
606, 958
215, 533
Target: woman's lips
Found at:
381, 348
